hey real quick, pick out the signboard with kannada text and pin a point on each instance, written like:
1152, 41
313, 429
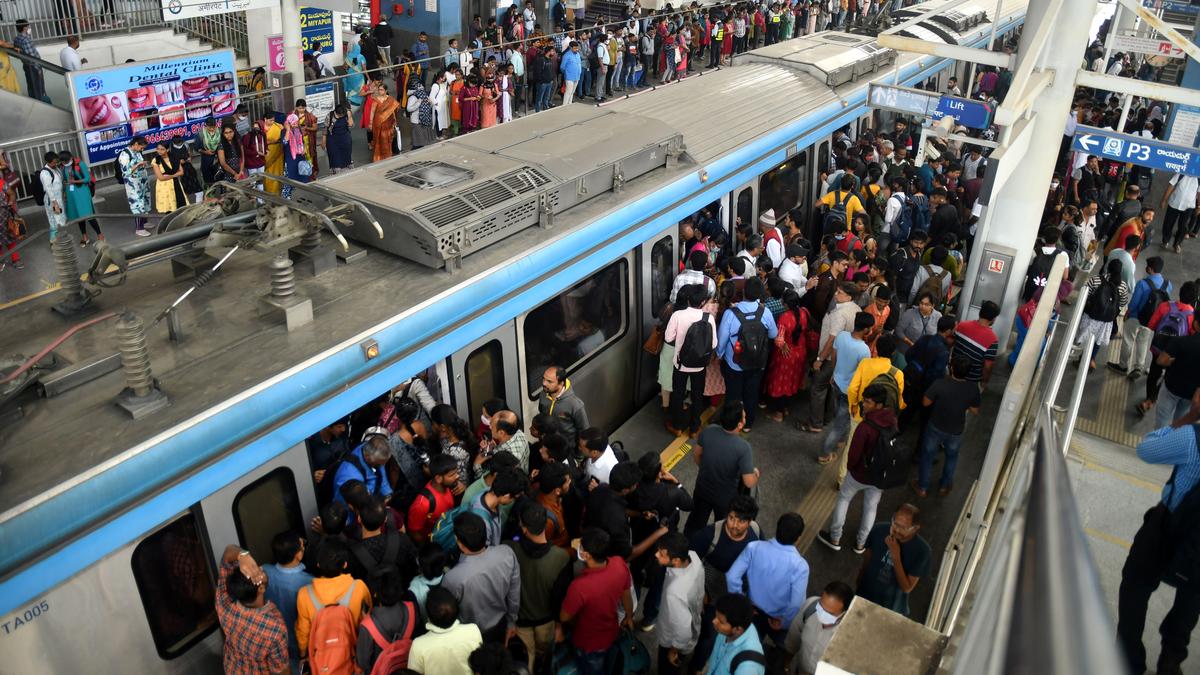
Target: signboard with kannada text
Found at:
160, 100
174, 10
1137, 150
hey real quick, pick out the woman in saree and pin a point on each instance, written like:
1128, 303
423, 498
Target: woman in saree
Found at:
383, 121
487, 106
356, 65
469, 99
273, 131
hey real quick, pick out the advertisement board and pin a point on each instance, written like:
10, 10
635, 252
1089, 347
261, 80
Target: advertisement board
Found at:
276, 59
160, 100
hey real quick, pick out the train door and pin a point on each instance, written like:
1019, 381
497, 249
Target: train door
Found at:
250, 511
657, 263
745, 209
785, 187
484, 370
592, 331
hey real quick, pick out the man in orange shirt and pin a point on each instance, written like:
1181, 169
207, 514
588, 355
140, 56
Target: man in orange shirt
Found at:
880, 309
1132, 226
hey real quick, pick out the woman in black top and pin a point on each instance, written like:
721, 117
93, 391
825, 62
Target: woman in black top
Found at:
229, 155
168, 186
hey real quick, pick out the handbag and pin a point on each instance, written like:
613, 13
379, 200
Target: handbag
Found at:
304, 168
16, 228
654, 344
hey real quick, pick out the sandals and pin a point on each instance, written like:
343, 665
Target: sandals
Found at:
825, 459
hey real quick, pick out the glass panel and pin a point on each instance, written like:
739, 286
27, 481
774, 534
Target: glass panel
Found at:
171, 571
578, 323
662, 273
823, 155
265, 508
745, 207
779, 188
485, 377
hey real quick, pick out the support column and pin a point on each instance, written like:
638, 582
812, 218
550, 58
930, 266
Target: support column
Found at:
1014, 210
289, 12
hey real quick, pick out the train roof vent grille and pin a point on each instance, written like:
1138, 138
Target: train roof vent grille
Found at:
833, 37
429, 175
486, 195
445, 211
525, 179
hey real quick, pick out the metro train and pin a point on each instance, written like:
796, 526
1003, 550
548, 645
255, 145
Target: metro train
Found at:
108, 554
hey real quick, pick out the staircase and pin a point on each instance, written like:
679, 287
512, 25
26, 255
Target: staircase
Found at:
608, 11
102, 51
1173, 71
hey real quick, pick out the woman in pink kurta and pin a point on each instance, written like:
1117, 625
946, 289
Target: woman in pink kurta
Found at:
487, 106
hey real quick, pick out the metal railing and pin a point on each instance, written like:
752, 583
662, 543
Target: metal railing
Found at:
27, 155
50, 79
101, 17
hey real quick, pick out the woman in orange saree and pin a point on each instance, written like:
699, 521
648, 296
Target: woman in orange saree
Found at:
383, 121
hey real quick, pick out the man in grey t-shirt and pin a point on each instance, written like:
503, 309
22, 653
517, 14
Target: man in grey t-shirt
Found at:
726, 462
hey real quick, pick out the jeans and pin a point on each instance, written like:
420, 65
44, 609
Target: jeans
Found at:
714, 56
627, 68
585, 82
820, 402
1133, 353
701, 509
543, 96
851, 487
931, 440
35, 82
679, 383
1138, 583
592, 663
1169, 407
744, 386
841, 422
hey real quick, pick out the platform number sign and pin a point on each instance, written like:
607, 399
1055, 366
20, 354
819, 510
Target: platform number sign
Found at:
1108, 144
996, 265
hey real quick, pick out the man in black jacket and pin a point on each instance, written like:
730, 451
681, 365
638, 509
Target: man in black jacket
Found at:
1130, 208
542, 73
905, 262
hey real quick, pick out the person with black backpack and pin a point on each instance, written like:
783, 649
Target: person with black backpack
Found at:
1132, 356
1107, 296
1166, 549
743, 344
380, 548
874, 461
693, 333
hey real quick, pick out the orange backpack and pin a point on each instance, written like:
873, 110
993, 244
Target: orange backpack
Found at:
331, 641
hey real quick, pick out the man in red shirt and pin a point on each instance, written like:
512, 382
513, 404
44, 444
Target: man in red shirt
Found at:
977, 341
436, 498
591, 603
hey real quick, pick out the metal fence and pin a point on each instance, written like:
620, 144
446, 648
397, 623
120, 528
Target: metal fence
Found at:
57, 19
28, 155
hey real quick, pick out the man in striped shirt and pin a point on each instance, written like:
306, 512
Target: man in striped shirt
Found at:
1148, 565
255, 635
978, 343
697, 261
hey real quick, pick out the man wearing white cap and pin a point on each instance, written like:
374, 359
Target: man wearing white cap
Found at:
794, 269
772, 238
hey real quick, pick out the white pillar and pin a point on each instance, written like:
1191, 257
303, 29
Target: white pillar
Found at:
1015, 209
290, 13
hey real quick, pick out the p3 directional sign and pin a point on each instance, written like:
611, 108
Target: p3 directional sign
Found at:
1147, 152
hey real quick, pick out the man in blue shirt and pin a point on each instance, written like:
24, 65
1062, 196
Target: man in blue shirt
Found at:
738, 640
848, 349
777, 575
366, 463
742, 364
284, 580
1133, 354
571, 67
1147, 566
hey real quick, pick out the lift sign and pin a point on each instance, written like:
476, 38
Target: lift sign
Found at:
1137, 150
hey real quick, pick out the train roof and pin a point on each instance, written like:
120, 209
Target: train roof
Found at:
239, 381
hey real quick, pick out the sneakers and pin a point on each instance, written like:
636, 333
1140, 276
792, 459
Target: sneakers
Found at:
142, 232
827, 539
645, 626
860, 548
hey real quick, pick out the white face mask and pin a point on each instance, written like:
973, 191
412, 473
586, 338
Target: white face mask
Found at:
1053, 185
825, 617
487, 422
579, 554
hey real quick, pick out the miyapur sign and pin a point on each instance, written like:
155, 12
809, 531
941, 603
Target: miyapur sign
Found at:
160, 100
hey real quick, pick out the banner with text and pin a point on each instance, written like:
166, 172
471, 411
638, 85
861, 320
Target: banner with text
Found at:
160, 100
174, 10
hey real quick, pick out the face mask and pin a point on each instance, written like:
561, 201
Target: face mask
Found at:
484, 419
825, 617
579, 554
1053, 186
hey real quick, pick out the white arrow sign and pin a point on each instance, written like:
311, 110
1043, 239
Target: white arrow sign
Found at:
1087, 141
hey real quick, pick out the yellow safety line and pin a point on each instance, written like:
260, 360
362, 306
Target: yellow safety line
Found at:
682, 445
1104, 536
1128, 478
49, 289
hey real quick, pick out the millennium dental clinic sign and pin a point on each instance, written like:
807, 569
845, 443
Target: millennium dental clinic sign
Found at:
160, 100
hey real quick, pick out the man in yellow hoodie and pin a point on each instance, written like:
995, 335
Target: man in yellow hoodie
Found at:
866, 374
330, 587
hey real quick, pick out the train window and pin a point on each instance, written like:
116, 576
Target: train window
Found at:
265, 508
485, 377
745, 207
567, 330
662, 273
779, 188
171, 571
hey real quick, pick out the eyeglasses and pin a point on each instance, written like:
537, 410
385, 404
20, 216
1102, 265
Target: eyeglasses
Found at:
901, 528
